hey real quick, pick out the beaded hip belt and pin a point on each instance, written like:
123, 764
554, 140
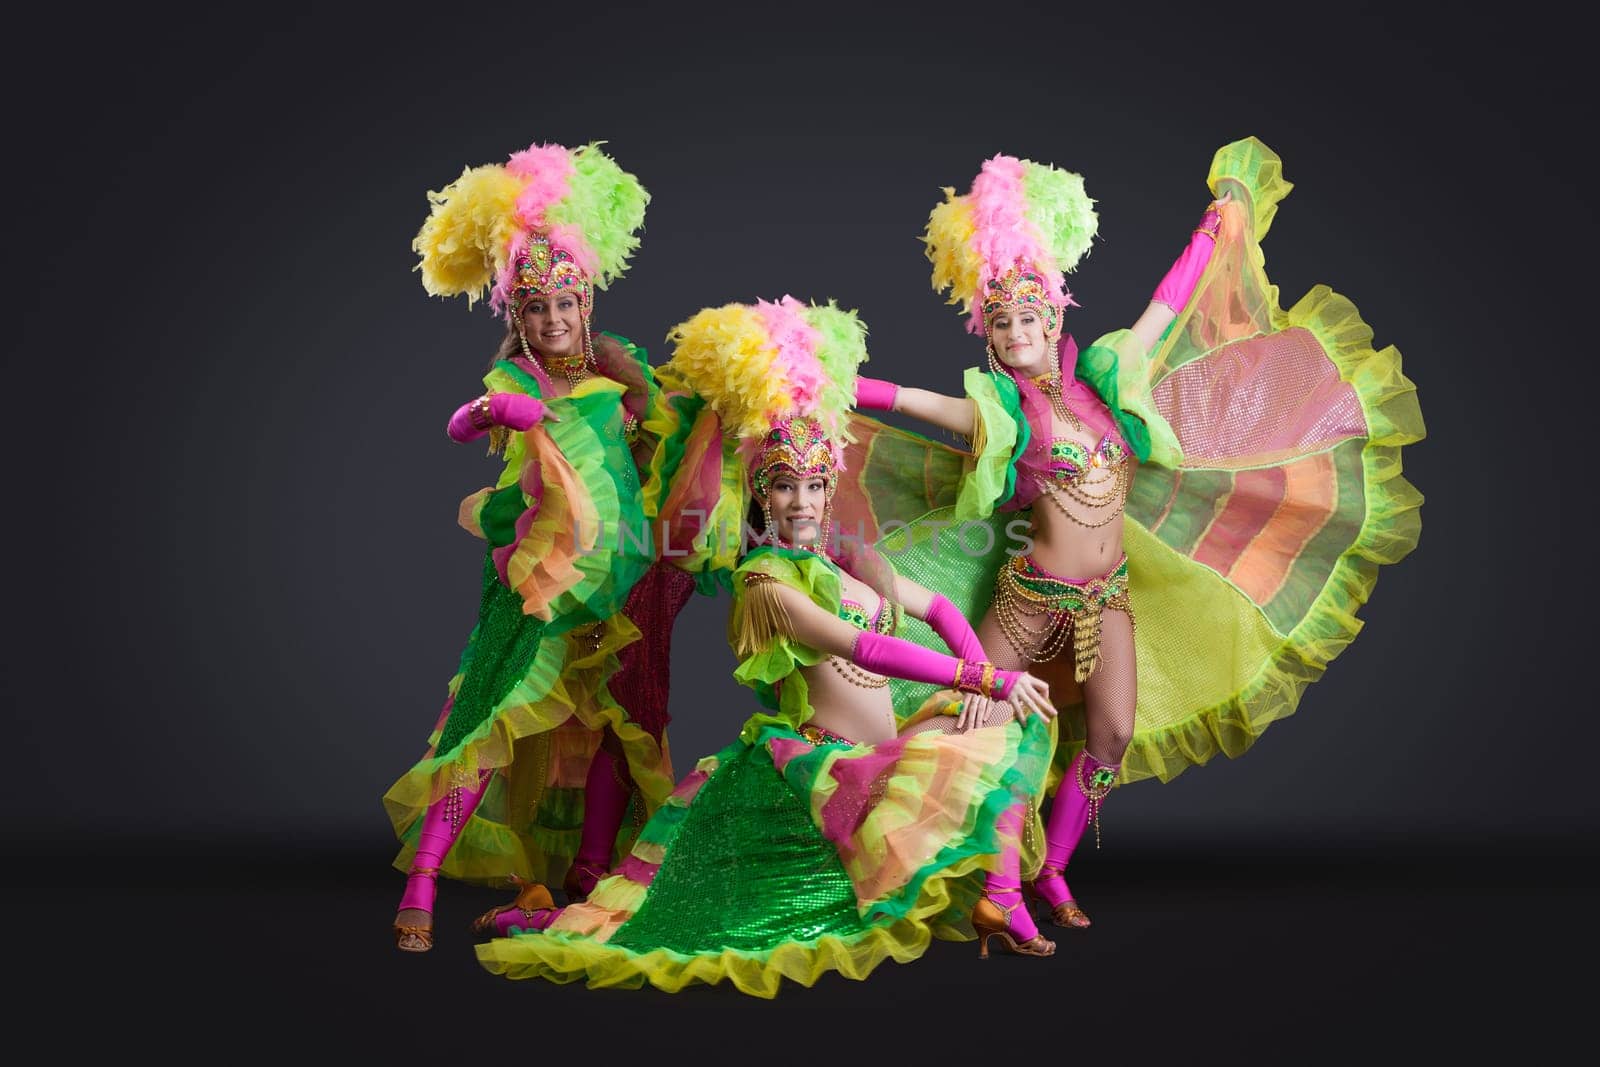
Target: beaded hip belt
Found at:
1072, 608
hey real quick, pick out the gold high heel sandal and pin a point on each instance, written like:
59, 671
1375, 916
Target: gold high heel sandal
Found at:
1067, 913
423, 935
532, 897
993, 920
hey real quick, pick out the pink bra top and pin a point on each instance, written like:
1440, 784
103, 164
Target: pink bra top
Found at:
1070, 461
856, 615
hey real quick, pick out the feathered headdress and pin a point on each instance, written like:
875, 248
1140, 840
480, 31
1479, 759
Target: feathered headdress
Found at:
1010, 241
752, 390
550, 219
780, 378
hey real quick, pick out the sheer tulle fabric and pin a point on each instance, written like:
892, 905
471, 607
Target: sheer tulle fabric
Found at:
1255, 536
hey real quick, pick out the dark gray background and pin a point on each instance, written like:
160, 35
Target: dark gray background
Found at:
238, 588
231, 387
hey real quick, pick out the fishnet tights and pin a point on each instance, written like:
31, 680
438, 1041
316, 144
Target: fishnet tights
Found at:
1111, 693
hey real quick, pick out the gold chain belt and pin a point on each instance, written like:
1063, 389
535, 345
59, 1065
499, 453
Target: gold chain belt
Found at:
1071, 608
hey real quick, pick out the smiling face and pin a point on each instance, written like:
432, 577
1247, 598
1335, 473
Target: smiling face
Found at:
797, 506
1018, 338
554, 324
1022, 317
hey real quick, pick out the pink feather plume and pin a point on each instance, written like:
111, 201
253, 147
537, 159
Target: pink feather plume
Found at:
547, 169
796, 342
1002, 234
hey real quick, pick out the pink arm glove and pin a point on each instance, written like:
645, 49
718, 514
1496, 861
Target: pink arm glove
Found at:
476, 417
1178, 286
875, 394
899, 658
954, 629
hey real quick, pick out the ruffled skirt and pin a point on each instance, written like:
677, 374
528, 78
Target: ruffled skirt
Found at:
784, 859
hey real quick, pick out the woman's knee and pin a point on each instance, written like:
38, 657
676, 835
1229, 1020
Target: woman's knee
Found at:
1109, 745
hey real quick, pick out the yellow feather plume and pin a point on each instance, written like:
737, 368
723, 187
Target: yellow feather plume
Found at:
949, 248
467, 235
724, 354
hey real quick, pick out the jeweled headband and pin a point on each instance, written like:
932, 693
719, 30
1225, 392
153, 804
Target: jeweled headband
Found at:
545, 269
1018, 289
797, 446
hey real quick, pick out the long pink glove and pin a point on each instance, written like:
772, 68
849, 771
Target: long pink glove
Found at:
954, 629
875, 394
899, 658
475, 418
1178, 286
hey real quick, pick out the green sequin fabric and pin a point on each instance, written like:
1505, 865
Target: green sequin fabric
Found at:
748, 869
502, 646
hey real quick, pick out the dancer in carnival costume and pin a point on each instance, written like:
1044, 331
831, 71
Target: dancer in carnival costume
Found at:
539, 696
826, 837
1268, 490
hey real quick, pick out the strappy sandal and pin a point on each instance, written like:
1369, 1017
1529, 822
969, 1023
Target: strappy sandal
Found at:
1067, 913
421, 935
531, 897
994, 920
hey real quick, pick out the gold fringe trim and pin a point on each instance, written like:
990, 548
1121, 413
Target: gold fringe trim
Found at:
1085, 642
763, 619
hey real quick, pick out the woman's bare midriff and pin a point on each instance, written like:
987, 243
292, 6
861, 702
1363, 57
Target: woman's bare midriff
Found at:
1068, 550
841, 705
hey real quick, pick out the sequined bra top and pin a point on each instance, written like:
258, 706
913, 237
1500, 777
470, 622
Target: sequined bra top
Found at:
1054, 464
1070, 461
880, 622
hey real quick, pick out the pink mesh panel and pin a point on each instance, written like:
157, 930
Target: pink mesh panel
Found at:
641, 682
844, 811
1259, 401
